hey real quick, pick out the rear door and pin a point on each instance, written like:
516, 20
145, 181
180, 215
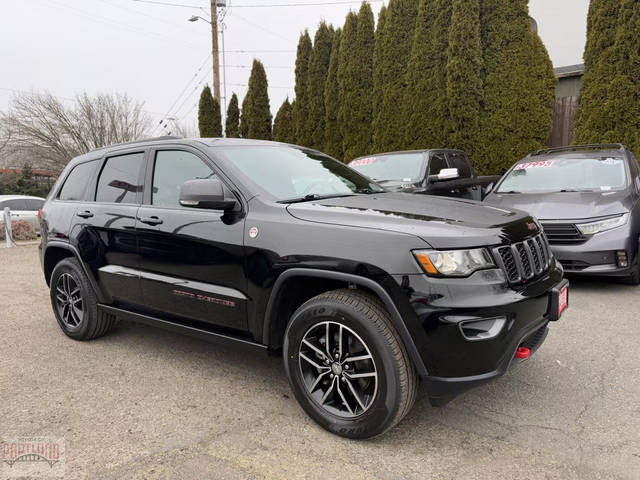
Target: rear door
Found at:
192, 260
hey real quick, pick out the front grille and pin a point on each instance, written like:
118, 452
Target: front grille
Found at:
526, 260
562, 233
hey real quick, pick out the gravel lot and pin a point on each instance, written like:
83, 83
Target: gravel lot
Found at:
146, 404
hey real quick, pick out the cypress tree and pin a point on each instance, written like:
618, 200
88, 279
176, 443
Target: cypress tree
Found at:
609, 109
426, 102
301, 112
283, 123
397, 40
464, 70
232, 126
332, 133
378, 55
256, 114
209, 117
355, 79
244, 126
518, 86
316, 80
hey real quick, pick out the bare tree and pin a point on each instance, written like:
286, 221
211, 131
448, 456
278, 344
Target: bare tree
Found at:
51, 133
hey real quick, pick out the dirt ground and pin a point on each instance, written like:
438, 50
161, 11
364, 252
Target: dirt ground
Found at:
142, 403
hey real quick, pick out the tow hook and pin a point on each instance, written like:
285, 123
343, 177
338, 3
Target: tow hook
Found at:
522, 353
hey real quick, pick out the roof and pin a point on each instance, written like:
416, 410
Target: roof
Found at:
17, 197
579, 150
569, 71
401, 152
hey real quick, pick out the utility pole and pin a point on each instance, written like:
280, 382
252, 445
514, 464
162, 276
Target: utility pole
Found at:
214, 47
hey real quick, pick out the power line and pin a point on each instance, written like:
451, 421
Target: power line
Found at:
270, 86
265, 66
167, 4
314, 4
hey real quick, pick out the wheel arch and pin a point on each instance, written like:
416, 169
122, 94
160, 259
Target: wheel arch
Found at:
275, 322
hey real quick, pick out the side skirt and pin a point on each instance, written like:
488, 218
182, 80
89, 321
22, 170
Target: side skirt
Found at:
188, 330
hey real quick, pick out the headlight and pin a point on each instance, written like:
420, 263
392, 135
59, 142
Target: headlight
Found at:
602, 225
455, 263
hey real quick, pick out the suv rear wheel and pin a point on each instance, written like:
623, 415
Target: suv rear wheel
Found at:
74, 302
347, 365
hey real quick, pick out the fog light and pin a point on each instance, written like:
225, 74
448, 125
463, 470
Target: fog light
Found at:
621, 257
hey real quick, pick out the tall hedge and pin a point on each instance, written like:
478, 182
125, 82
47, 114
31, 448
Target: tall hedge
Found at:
301, 112
378, 77
232, 125
209, 117
256, 114
397, 40
332, 133
464, 75
283, 123
519, 86
355, 80
316, 80
609, 109
426, 101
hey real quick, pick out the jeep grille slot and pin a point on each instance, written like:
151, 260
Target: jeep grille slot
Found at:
523, 261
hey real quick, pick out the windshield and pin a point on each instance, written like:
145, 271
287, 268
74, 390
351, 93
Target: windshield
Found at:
405, 167
566, 174
289, 173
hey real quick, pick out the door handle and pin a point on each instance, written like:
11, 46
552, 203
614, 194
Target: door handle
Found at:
85, 214
151, 220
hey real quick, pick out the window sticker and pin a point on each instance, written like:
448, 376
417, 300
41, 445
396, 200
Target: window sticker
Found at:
525, 166
610, 161
362, 161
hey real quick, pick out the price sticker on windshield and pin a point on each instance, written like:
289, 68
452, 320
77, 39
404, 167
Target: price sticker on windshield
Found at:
362, 161
525, 166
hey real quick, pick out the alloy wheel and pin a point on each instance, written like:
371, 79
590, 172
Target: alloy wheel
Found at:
69, 301
338, 370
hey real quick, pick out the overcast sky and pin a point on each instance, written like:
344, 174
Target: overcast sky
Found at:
152, 52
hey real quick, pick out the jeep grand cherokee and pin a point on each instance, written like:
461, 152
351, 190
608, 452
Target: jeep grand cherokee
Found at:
368, 294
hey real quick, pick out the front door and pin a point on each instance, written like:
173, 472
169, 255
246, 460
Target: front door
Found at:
191, 260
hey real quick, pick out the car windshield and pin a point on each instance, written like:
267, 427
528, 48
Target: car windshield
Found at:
566, 174
405, 167
290, 173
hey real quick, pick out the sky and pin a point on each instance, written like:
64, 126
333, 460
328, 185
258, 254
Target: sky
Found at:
155, 55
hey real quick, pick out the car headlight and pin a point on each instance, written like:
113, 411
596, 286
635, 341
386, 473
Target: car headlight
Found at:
455, 263
602, 225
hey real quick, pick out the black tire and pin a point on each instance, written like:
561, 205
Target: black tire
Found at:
634, 276
367, 319
92, 323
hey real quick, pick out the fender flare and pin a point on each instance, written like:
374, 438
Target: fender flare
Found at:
76, 254
382, 294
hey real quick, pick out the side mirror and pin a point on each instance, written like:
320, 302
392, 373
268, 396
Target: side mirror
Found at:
445, 174
206, 193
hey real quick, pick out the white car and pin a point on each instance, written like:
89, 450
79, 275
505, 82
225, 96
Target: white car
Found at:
22, 207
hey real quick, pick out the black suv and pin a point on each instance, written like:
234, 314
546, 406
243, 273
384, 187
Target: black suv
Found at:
273, 247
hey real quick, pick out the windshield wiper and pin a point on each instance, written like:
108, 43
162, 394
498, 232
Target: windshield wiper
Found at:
315, 196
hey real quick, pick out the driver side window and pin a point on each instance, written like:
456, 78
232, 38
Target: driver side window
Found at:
438, 162
171, 169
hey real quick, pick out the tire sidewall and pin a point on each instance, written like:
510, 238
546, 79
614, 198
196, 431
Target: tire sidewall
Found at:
71, 267
383, 410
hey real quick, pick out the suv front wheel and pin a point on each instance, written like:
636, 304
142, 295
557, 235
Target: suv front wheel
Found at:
347, 365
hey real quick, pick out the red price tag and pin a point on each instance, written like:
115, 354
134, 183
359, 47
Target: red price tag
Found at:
563, 300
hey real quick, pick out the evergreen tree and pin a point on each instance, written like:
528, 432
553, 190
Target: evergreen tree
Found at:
244, 125
355, 79
232, 126
316, 80
332, 134
397, 40
463, 71
426, 102
301, 112
519, 86
209, 117
256, 114
609, 108
283, 123
378, 78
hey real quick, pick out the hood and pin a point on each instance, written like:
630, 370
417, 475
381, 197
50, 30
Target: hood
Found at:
564, 205
439, 221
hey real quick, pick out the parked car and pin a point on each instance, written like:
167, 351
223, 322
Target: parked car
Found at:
273, 247
443, 172
23, 207
587, 198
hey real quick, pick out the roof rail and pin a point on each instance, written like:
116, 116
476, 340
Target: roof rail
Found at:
143, 140
577, 148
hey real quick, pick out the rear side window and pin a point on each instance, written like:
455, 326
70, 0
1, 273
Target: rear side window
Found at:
119, 180
172, 169
75, 186
34, 204
461, 162
16, 204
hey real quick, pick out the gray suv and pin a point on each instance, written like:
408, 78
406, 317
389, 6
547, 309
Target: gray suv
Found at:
587, 199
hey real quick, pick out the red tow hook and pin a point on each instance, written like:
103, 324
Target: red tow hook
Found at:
522, 352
